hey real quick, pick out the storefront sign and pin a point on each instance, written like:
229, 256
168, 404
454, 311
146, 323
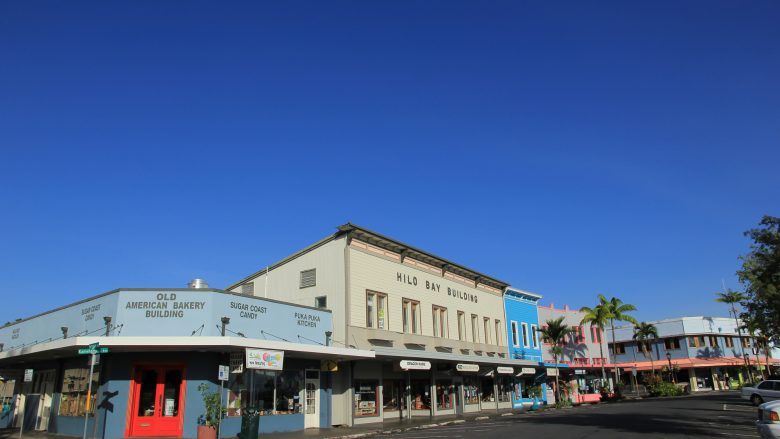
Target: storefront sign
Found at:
463, 367
580, 372
414, 365
263, 359
552, 372
435, 287
505, 370
527, 371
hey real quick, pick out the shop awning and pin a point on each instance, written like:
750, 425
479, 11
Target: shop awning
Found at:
687, 363
448, 356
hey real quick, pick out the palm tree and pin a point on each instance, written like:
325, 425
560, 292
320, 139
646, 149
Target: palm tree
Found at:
555, 332
643, 332
597, 316
618, 312
752, 327
731, 298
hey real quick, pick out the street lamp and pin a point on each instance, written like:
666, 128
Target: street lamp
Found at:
669, 359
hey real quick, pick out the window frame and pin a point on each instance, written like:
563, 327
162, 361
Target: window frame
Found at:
410, 310
475, 328
515, 336
375, 313
300, 279
440, 324
486, 327
525, 334
461, 326
535, 336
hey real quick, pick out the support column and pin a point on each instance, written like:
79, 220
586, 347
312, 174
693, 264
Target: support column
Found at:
692, 379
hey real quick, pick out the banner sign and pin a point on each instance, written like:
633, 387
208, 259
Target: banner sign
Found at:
414, 365
464, 367
505, 370
264, 359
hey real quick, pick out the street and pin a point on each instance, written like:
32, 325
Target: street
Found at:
703, 416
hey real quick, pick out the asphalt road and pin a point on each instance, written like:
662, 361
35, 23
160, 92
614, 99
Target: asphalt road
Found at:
701, 416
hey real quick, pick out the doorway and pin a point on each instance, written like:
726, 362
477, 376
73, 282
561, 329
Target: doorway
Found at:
312, 399
157, 407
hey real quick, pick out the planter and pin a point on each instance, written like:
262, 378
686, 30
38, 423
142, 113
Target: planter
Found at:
205, 432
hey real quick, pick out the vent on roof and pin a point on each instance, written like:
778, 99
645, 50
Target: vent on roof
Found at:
197, 283
308, 278
248, 288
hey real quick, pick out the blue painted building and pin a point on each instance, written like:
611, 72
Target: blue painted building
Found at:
524, 343
162, 344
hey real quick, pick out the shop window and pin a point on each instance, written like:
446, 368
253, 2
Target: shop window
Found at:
471, 389
308, 278
366, 398
515, 341
439, 321
525, 335
376, 310
696, 341
256, 388
461, 326
729, 342
421, 396
321, 302
487, 389
445, 395
504, 384
474, 328
73, 401
393, 395
486, 328
525, 385
498, 331
672, 343
535, 336
411, 316
6, 394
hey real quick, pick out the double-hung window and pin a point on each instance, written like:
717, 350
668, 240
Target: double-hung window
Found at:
439, 321
486, 328
535, 336
515, 341
499, 331
376, 310
411, 316
461, 326
525, 335
474, 328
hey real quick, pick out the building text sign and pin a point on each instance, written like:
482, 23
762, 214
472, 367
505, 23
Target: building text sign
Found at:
414, 365
264, 359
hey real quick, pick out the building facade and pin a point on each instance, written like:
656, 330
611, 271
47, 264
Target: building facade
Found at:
162, 345
522, 319
584, 363
438, 328
706, 352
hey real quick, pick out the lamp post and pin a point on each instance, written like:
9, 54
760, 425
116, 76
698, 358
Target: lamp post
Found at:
225, 322
669, 359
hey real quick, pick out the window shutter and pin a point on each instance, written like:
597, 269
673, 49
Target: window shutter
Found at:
308, 278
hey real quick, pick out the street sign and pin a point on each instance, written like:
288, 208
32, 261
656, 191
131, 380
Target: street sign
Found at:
224, 371
28, 373
91, 351
94, 345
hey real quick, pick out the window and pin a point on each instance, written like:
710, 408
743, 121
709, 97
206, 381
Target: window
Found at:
595, 334
439, 321
499, 331
474, 329
696, 341
421, 394
471, 389
445, 394
486, 328
394, 395
74, 392
579, 334
672, 343
515, 341
535, 336
729, 342
525, 335
321, 302
376, 309
411, 316
286, 386
713, 341
461, 326
745, 342
366, 398
766, 385
308, 278
620, 348
248, 288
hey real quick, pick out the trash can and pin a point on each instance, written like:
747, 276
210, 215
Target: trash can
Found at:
250, 424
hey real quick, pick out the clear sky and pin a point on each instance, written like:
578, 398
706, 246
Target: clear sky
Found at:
568, 148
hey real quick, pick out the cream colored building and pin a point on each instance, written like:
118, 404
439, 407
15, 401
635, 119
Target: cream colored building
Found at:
437, 327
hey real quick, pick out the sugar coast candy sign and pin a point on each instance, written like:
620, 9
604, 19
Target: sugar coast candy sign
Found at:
264, 359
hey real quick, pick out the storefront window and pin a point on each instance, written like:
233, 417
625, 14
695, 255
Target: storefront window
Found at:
270, 392
504, 388
445, 395
525, 386
487, 390
366, 398
74, 392
421, 396
471, 389
393, 395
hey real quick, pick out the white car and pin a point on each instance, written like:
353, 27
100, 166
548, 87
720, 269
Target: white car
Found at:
768, 423
768, 390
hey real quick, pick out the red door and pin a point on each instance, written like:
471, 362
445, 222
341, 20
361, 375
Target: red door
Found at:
157, 405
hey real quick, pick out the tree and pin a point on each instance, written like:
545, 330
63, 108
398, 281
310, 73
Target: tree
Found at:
732, 298
643, 332
599, 317
753, 328
555, 332
760, 274
618, 313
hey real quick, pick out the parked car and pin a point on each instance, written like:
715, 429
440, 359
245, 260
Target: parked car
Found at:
768, 390
768, 423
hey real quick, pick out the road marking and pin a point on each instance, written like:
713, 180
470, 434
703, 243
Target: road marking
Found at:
738, 408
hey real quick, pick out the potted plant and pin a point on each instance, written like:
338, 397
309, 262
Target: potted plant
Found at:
210, 420
535, 392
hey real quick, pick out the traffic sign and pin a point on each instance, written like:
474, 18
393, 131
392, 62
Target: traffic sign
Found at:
224, 373
91, 351
28, 375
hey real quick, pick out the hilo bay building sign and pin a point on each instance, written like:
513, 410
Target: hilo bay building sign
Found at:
410, 279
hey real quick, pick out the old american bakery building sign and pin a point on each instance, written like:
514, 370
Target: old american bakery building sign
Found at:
435, 287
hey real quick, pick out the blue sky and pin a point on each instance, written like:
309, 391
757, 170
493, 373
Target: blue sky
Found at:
568, 148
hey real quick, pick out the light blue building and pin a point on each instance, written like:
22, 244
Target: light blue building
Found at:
524, 343
162, 345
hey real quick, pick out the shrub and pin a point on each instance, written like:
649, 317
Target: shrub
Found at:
663, 388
